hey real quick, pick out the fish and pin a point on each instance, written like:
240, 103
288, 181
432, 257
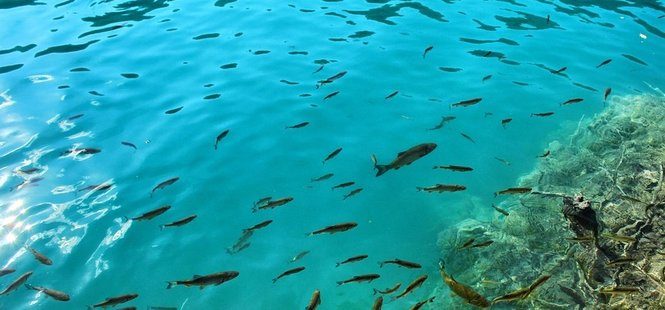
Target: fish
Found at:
388, 290
467, 244
132, 145
440, 188
173, 111
514, 190
97, 187
352, 260
547, 21
220, 136
505, 122
342, 185
334, 228
608, 91
352, 193
454, 168
331, 79
323, 177
205, 280
393, 94
559, 70
332, 155
29, 170
404, 158
17, 283
152, 214
634, 59
522, 293
402, 263
299, 125
502, 211
444, 121
547, 153
288, 272
73, 117
273, 204
360, 278
422, 303
467, 137
242, 242
258, 226
57, 295
616, 290
607, 61
333, 94
6, 271
83, 151
39, 256
482, 244
487, 77
315, 301
427, 50
319, 69
414, 285
113, 301
581, 239
178, 223
487, 114
619, 238
620, 261
164, 184
299, 256
503, 161
543, 114
573, 295
378, 303
467, 103
571, 101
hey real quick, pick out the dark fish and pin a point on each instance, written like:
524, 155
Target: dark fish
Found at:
97, 187
299, 256
334, 228
323, 177
547, 153
608, 91
617, 290
440, 188
544, 114
503, 161
289, 82
220, 136
333, 94
203, 281
444, 121
71, 118
467, 244
502, 211
487, 77
179, 222
39, 256
319, 69
57, 295
573, 295
454, 168
559, 71
422, 303
242, 242
288, 272
414, 285
427, 50
29, 170
620, 261
505, 122
514, 190
129, 144
342, 185
378, 303
113, 301
388, 290
360, 278
164, 184
467, 137
258, 226
173, 111
273, 204
466, 103
331, 79
571, 101
607, 61
634, 59
619, 238
402, 263
522, 293
482, 244
17, 283
152, 214
582, 239
393, 94
352, 193
315, 301
352, 260
299, 125
332, 155
462, 290
404, 158
83, 151
4, 272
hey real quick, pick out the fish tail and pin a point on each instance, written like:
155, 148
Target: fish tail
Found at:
274, 280
375, 291
30, 287
125, 219
340, 283
161, 227
337, 265
381, 169
171, 284
380, 264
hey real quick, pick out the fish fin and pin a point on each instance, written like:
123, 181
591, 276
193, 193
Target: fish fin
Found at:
196, 276
381, 169
400, 154
373, 157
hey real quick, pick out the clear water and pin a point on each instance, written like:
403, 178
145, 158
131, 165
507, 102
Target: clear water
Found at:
96, 254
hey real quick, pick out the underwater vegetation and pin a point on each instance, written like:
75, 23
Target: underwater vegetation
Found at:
616, 161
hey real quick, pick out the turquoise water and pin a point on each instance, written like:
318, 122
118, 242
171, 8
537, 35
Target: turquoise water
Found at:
123, 64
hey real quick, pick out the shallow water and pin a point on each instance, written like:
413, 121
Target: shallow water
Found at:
178, 53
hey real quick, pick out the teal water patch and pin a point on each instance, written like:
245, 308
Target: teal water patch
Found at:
115, 97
